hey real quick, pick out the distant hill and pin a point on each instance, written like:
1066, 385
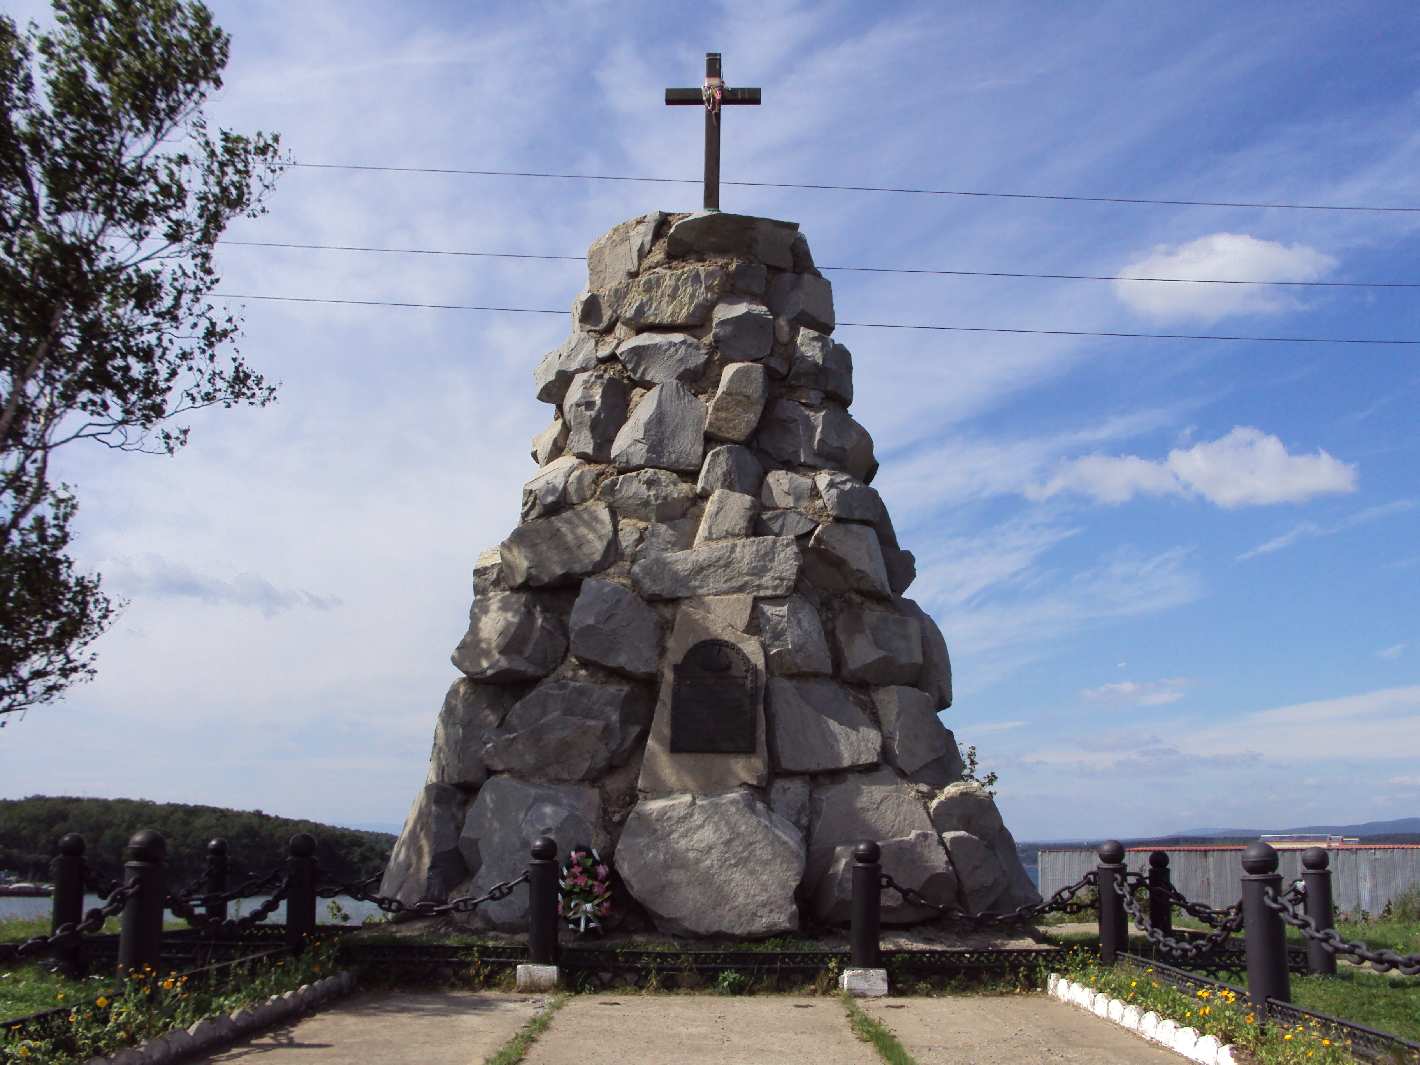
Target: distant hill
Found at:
30, 830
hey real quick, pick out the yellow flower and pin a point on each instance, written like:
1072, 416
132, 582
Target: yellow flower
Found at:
1133, 983
24, 1052
1287, 1037
1326, 1042
101, 1002
168, 984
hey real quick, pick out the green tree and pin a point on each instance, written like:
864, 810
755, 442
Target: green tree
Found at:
113, 192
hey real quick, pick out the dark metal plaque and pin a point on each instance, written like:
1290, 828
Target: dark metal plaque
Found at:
713, 701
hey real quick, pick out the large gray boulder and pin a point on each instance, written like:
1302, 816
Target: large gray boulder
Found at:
733, 467
914, 739
706, 233
802, 299
554, 373
821, 363
724, 865
426, 862
844, 557
878, 647
849, 499
499, 831
728, 516
936, 677
560, 549
742, 329
511, 637
968, 807
548, 444
467, 721
649, 495
655, 358
594, 410
567, 730
666, 429
618, 254
784, 523
916, 861
738, 403
562, 483
818, 728
759, 565
611, 627
664, 772
841, 443
784, 488
978, 870
793, 636
673, 297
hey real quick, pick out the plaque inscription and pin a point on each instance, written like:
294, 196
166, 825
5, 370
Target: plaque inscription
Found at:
713, 699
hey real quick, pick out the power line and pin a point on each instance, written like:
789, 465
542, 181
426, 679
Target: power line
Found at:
856, 269
1132, 200
856, 325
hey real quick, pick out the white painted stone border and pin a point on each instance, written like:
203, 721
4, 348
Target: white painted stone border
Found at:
1168, 1034
212, 1032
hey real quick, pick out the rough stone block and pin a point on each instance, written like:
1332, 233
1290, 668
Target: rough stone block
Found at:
426, 862
785, 523
877, 647
730, 466
936, 678
565, 482
821, 363
760, 565
536, 978
742, 329
916, 861
666, 429
595, 312
982, 878
671, 297
762, 240
844, 557
649, 495
617, 255
783, 488
793, 636
728, 515
554, 373
818, 728
914, 739
735, 410
610, 626
725, 865
548, 444
468, 718
803, 299
789, 798
510, 638
655, 358
849, 499
594, 410
560, 549
568, 730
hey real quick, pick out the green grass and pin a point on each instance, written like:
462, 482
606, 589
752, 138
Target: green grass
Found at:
27, 989
1390, 1004
19, 929
515, 1049
1402, 936
873, 1031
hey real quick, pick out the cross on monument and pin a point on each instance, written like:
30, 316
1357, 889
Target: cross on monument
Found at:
712, 95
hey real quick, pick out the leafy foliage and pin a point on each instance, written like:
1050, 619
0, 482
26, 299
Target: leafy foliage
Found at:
30, 830
113, 193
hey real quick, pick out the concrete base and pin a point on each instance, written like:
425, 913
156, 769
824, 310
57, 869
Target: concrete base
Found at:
864, 983
537, 978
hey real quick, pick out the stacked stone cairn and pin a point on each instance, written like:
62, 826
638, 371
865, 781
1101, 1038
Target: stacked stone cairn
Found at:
702, 480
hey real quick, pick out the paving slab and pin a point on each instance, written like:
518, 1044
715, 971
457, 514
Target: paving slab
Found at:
397, 1028
700, 1030
1010, 1030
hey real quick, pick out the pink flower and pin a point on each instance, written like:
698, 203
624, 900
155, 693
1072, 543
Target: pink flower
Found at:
577, 856
603, 872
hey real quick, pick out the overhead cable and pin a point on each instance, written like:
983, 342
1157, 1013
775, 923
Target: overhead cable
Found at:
1132, 200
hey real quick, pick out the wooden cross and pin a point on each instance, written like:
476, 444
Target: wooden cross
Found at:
712, 96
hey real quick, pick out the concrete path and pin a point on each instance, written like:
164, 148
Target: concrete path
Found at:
1010, 1030
700, 1030
434, 1028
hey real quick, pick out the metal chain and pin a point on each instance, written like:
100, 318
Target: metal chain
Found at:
360, 890
1207, 914
1061, 902
70, 932
1286, 907
211, 922
1188, 950
245, 890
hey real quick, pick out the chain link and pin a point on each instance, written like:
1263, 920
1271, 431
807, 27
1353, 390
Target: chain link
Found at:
245, 890
1286, 907
1195, 950
426, 908
69, 933
1207, 914
211, 922
1061, 902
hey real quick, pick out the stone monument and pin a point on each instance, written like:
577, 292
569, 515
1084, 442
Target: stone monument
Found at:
695, 652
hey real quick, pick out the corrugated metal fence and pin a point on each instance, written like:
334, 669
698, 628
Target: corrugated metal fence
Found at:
1362, 877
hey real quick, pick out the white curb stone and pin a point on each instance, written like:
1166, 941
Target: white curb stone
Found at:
1225, 1056
864, 983
1149, 1025
1166, 1031
1101, 1005
1205, 1052
1185, 1040
537, 978
1130, 1018
1115, 1010
1204, 1049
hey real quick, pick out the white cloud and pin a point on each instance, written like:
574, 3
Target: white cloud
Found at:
1394, 651
1307, 530
1219, 256
1139, 693
1367, 726
1247, 467
155, 577
995, 726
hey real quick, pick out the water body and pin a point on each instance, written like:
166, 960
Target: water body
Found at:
358, 910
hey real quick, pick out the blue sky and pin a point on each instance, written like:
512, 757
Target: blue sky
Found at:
1179, 579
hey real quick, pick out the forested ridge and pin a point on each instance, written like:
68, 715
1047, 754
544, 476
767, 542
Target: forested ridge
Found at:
30, 830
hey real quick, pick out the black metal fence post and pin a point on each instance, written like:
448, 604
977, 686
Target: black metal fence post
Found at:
1160, 904
543, 873
1264, 939
66, 872
215, 880
300, 891
140, 938
867, 906
1114, 933
1317, 878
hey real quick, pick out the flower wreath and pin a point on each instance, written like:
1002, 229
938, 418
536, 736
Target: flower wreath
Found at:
585, 896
